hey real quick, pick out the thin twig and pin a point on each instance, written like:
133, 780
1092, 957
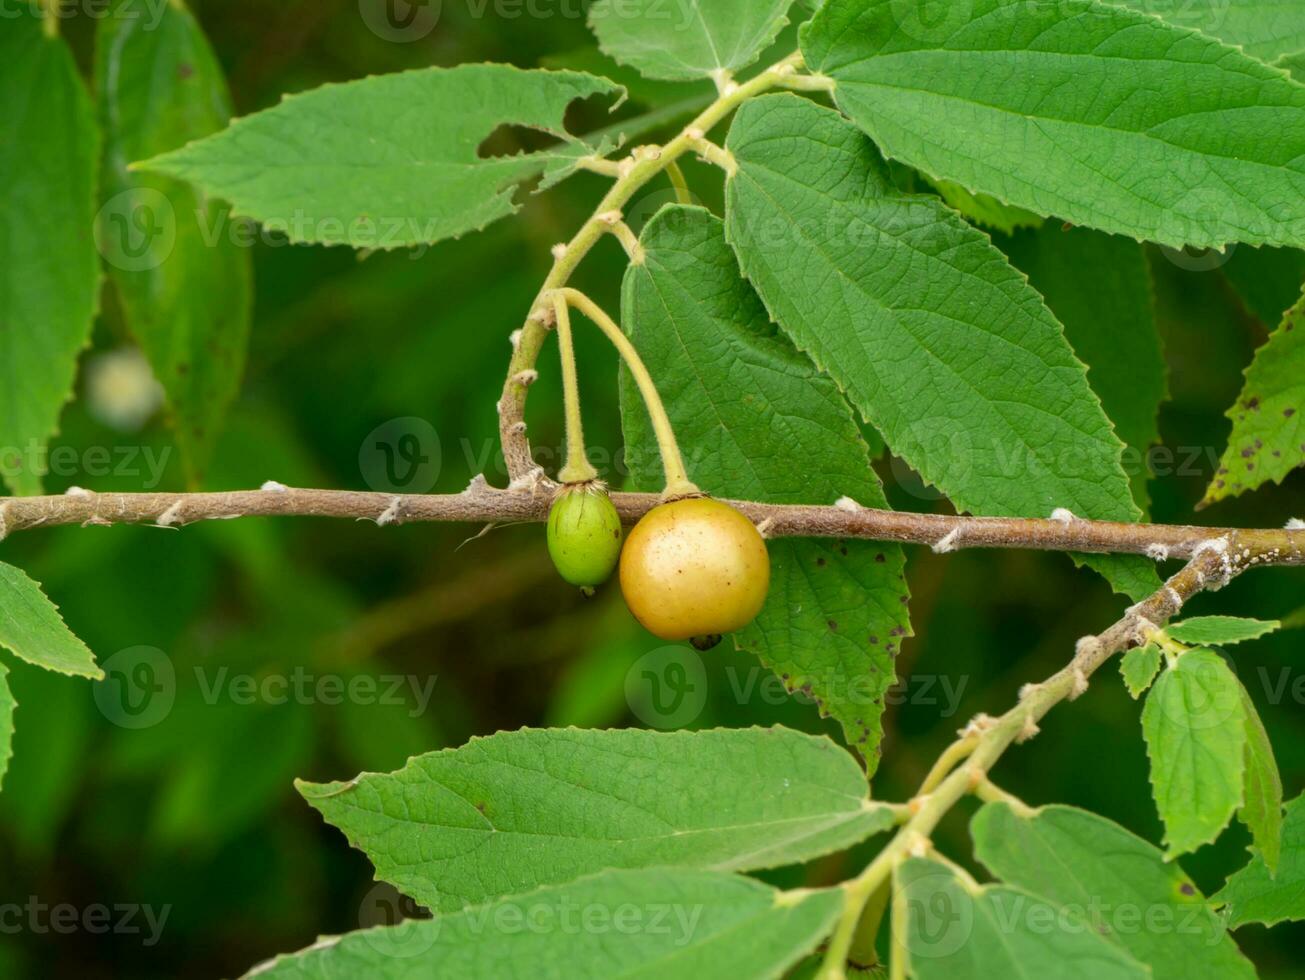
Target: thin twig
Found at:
1212, 568
481, 503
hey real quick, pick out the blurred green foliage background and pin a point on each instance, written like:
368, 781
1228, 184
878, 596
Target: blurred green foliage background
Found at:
196, 813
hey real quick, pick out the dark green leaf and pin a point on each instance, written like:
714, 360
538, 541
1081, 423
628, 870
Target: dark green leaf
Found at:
1262, 811
1115, 883
662, 924
759, 423
391, 160
1098, 114
1099, 287
1268, 419
458, 827
934, 337
689, 39
1256, 894
959, 931
182, 279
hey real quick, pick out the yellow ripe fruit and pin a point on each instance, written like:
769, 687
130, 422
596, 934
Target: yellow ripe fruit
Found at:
694, 569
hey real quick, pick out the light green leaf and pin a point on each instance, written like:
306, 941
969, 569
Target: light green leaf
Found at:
759, 423
1264, 29
49, 270
391, 160
1114, 882
959, 931
1139, 667
1091, 112
935, 338
1195, 730
1099, 287
7, 705
184, 283
32, 629
687, 39
457, 827
1256, 894
1262, 810
1268, 420
986, 210
662, 924
1219, 630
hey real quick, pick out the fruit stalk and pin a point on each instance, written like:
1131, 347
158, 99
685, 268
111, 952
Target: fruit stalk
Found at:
678, 483
578, 469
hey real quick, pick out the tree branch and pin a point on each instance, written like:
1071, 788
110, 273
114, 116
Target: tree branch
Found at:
481, 503
986, 739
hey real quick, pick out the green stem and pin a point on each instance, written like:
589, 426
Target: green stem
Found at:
864, 951
50, 17
678, 483
578, 469
994, 736
642, 165
676, 176
898, 958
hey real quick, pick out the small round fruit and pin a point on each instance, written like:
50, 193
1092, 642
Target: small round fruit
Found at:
694, 568
584, 534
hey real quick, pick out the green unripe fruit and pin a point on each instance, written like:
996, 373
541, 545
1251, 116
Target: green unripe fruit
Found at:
584, 534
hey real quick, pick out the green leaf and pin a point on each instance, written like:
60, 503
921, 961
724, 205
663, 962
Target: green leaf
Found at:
1264, 29
1219, 630
1114, 882
31, 628
1195, 730
1098, 114
1294, 65
49, 270
959, 931
986, 210
935, 338
1256, 894
691, 39
7, 705
1139, 667
1268, 419
460, 826
388, 161
760, 423
1262, 810
1099, 287
183, 281
657, 923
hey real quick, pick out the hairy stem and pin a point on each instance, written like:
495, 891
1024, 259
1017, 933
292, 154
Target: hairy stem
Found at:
578, 469
481, 503
642, 165
1211, 568
678, 483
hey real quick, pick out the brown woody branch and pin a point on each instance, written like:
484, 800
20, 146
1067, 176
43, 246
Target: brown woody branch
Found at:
963, 769
480, 503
